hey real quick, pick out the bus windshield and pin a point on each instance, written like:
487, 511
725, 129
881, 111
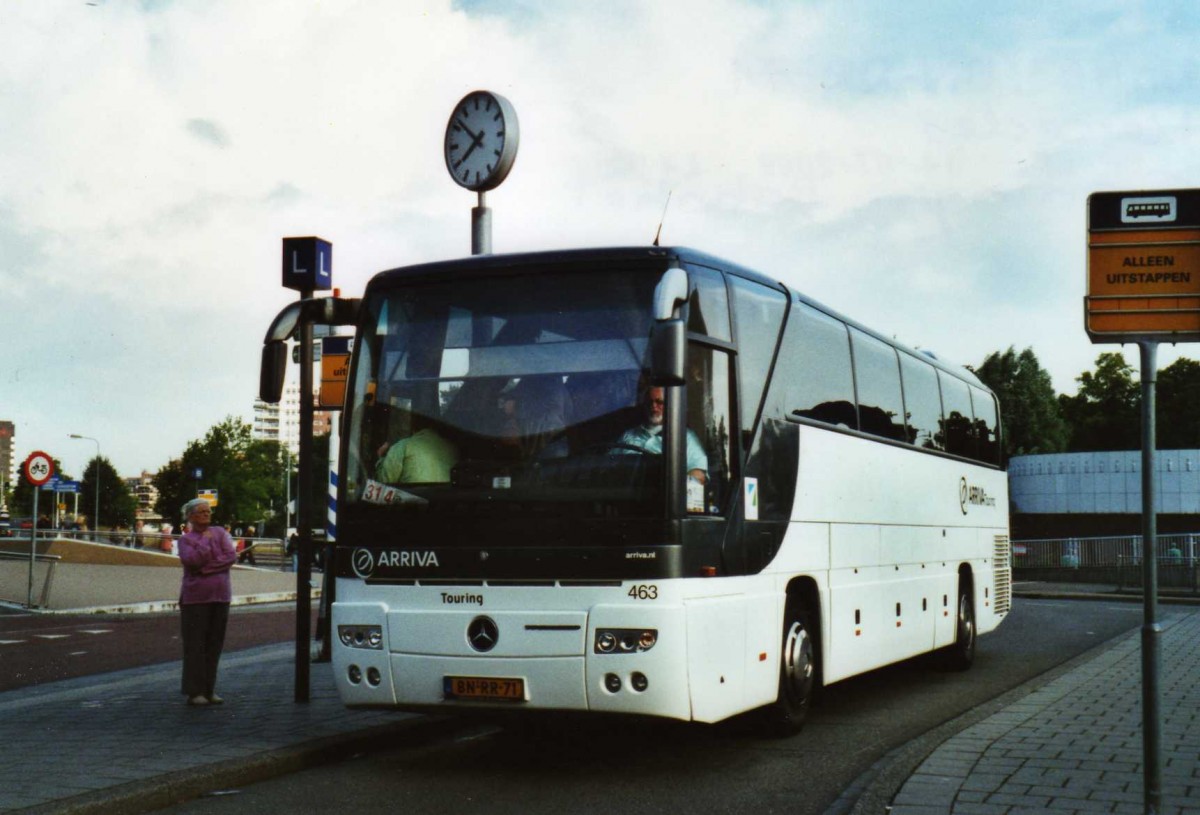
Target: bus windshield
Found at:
501, 394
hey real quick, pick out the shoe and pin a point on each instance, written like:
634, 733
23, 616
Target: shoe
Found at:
215, 700
197, 701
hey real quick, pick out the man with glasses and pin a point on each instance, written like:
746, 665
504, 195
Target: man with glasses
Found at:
648, 435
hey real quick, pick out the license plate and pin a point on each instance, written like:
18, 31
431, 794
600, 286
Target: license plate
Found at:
484, 688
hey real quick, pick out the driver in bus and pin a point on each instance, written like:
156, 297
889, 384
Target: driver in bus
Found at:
648, 435
425, 457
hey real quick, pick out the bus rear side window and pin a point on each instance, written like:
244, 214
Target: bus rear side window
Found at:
987, 429
816, 362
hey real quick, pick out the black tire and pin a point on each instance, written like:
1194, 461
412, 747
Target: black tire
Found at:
961, 655
797, 675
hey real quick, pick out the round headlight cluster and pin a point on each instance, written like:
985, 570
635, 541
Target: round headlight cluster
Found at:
625, 640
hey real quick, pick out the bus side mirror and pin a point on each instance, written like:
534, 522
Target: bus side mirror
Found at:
270, 376
668, 342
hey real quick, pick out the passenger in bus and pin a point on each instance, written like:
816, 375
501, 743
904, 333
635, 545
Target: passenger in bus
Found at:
648, 435
425, 457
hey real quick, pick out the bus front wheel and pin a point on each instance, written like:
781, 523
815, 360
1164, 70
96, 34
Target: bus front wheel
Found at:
797, 676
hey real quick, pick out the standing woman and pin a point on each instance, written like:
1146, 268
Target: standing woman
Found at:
207, 554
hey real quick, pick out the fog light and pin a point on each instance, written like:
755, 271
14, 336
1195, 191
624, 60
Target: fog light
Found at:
606, 642
639, 682
374, 637
355, 674
612, 683
345, 635
375, 678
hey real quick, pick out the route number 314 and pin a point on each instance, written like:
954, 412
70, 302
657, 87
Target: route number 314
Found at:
644, 592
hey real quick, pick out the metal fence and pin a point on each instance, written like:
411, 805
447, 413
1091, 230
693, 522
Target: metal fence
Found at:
1073, 553
1116, 560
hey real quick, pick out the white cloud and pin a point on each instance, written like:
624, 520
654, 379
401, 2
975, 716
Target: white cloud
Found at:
923, 169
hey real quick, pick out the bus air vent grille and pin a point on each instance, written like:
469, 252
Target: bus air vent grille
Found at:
1002, 575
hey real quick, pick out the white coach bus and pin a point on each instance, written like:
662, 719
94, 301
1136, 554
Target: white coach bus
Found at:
649, 481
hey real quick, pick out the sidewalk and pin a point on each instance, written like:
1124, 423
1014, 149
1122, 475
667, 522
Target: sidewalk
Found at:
124, 742
1074, 745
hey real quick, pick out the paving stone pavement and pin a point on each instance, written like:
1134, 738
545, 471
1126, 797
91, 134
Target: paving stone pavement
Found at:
1075, 745
95, 744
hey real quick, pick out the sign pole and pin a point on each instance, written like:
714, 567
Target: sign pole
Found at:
304, 507
1151, 628
33, 546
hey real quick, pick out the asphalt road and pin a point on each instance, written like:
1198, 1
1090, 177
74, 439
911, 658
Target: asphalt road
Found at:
39, 648
603, 765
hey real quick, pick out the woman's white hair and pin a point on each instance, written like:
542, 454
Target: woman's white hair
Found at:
194, 504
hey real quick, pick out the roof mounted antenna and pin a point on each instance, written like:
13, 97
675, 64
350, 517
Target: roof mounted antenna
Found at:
658, 233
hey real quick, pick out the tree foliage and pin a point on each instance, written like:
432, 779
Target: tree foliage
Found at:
1029, 410
1104, 414
1177, 400
246, 472
117, 504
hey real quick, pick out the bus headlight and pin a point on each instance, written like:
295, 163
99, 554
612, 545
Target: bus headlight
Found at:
361, 636
625, 640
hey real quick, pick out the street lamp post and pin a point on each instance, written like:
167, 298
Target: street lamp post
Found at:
96, 520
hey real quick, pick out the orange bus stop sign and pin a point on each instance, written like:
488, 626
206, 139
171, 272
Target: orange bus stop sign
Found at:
1143, 266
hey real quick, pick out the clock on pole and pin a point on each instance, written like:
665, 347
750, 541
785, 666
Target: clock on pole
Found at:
480, 148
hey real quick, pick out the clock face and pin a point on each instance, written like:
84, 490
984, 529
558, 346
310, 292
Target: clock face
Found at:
481, 141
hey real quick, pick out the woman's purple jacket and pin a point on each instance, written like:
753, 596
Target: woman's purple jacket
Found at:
206, 560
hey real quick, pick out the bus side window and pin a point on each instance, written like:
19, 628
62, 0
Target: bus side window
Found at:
708, 303
877, 380
758, 312
922, 403
956, 405
817, 364
987, 425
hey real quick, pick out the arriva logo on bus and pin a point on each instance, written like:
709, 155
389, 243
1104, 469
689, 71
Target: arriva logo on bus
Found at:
364, 562
973, 496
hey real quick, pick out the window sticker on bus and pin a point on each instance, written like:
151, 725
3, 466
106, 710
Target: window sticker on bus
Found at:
377, 493
751, 499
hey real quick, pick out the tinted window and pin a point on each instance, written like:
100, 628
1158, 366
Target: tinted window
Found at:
708, 304
877, 379
956, 402
817, 364
922, 403
708, 415
758, 313
987, 426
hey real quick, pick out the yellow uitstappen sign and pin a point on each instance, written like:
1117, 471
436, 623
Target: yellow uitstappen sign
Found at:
208, 495
1143, 266
335, 369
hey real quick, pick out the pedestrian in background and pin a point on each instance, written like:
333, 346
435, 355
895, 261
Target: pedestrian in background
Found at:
207, 553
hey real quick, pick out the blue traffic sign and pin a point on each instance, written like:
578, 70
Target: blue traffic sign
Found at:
307, 264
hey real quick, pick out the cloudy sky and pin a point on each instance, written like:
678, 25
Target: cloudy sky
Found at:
921, 166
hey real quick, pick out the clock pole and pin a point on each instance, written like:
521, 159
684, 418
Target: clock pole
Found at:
481, 227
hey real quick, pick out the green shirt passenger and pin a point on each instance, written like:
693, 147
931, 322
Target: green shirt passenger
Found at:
422, 458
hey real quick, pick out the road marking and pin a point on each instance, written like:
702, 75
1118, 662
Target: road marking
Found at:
52, 636
11, 642
95, 631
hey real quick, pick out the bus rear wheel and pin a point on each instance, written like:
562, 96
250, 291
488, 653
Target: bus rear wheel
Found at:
797, 676
961, 655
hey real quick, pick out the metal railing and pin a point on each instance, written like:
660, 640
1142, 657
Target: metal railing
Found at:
1116, 559
47, 583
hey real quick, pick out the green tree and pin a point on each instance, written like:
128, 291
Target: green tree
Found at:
117, 503
1176, 401
246, 472
1029, 410
1104, 414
